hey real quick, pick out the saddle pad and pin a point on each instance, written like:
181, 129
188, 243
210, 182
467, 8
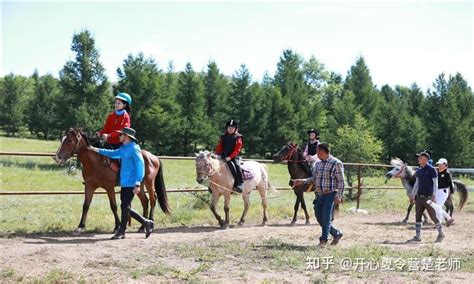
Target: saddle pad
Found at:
246, 174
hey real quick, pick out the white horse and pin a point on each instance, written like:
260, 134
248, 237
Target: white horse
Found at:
407, 176
221, 182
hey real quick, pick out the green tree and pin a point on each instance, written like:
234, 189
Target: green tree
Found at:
217, 96
280, 128
43, 120
86, 92
449, 120
359, 82
16, 92
290, 78
196, 128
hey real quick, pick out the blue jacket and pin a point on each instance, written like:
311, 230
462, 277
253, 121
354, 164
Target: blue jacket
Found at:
132, 169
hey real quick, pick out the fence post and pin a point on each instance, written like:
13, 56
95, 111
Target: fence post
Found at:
359, 189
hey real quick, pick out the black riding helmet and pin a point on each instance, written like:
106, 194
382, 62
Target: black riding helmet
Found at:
232, 123
315, 131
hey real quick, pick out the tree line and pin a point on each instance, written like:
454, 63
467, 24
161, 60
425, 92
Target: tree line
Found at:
181, 112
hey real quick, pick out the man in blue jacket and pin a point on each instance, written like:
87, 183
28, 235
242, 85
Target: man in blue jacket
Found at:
132, 171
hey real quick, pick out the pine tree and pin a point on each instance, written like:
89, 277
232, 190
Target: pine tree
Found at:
86, 92
194, 134
217, 96
359, 82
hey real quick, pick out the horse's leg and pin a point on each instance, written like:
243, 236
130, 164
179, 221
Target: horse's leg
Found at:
89, 192
144, 201
449, 205
215, 198
263, 194
297, 206
303, 205
246, 198
152, 196
113, 206
226, 209
410, 206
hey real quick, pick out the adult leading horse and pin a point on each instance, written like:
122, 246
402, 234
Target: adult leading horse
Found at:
298, 169
407, 176
97, 172
221, 182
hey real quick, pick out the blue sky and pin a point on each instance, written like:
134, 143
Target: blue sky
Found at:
402, 42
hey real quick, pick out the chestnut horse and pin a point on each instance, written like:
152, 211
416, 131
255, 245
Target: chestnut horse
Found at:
97, 172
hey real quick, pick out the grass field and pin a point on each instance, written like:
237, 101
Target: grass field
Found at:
58, 213
187, 246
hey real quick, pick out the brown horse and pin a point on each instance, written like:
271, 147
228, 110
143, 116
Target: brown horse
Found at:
97, 172
298, 169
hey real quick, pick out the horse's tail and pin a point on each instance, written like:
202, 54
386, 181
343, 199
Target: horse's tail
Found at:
462, 189
160, 190
265, 178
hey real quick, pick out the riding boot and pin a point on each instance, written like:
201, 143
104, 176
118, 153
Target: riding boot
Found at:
233, 171
238, 176
145, 222
123, 225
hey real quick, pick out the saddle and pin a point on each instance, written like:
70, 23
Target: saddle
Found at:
114, 165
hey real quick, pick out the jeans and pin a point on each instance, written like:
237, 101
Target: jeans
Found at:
323, 208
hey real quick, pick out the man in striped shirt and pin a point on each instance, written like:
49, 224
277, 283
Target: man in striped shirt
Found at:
328, 181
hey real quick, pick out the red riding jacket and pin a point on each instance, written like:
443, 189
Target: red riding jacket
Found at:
113, 125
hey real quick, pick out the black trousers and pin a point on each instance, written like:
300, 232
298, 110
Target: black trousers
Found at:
234, 166
126, 197
420, 206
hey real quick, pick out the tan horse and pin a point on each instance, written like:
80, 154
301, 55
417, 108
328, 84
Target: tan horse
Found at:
210, 167
96, 172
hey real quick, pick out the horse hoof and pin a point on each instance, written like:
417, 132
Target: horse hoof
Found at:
264, 224
404, 221
225, 226
240, 224
307, 223
78, 231
221, 223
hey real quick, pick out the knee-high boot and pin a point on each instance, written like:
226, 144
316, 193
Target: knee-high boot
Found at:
145, 222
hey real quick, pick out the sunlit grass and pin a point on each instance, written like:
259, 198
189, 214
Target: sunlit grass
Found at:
57, 213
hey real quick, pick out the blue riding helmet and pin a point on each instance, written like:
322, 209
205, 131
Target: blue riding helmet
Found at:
124, 97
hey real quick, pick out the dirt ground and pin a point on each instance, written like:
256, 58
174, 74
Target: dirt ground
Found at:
276, 253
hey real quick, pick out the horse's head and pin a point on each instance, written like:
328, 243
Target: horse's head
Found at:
285, 152
398, 170
203, 166
71, 143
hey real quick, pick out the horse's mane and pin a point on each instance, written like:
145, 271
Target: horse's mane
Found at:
303, 164
82, 133
397, 162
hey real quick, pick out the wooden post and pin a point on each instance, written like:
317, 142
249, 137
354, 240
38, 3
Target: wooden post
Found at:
359, 185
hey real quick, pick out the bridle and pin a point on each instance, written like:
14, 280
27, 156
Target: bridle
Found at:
210, 171
400, 171
76, 148
288, 156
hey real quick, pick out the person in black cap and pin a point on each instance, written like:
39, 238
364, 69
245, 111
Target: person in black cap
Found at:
229, 147
132, 173
425, 189
310, 149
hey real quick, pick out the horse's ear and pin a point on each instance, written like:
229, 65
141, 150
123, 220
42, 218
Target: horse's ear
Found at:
196, 154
